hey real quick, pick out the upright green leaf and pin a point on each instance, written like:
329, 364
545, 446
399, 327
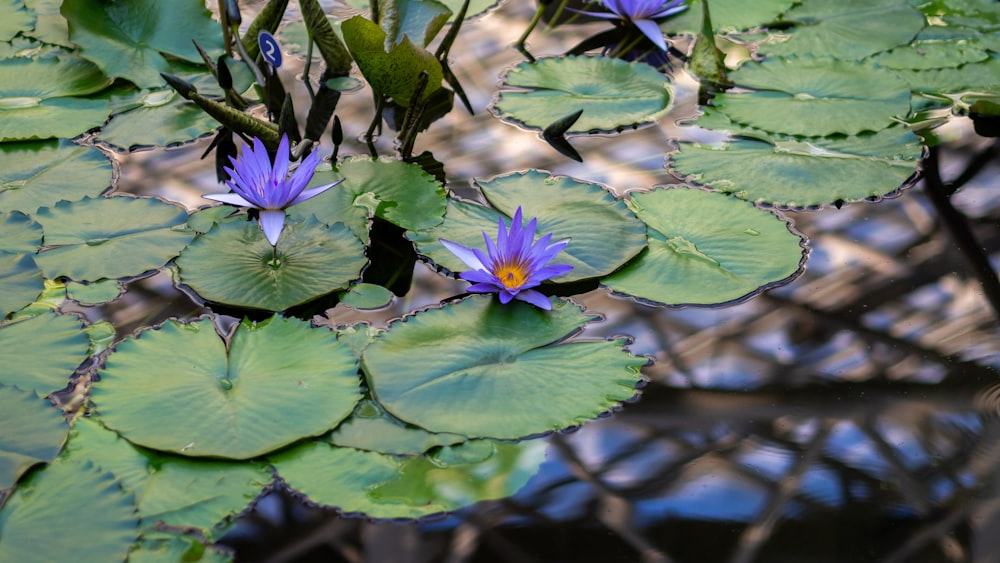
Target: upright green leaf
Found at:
394, 72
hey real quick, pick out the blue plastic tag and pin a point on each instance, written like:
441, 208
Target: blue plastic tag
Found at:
269, 48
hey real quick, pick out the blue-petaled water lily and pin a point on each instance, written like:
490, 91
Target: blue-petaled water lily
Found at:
260, 185
514, 264
641, 13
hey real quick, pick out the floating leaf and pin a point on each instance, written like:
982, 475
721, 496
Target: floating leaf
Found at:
40, 353
113, 237
19, 234
476, 7
14, 18
93, 293
371, 428
21, 281
399, 192
801, 173
482, 369
815, 97
94, 517
382, 486
612, 93
727, 15
925, 55
50, 26
707, 248
129, 39
279, 381
234, 264
367, 296
34, 97
976, 77
603, 233
848, 29
179, 492
34, 433
164, 118
179, 548
39, 174
420, 20
394, 73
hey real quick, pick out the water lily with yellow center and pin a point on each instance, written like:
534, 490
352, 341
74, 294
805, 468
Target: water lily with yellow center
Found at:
514, 264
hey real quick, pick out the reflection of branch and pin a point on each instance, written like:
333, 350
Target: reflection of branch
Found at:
615, 512
909, 489
754, 535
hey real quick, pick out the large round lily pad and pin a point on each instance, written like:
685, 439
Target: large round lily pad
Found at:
113, 237
727, 15
382, 486
482, 369
707, 248
34, 433
236, 265
815, 97
612, 93
277, 381
603, 233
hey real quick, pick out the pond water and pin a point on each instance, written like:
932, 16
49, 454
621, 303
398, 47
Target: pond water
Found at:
849, 415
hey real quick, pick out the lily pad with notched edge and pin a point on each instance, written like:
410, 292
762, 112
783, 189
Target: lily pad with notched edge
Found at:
234, 264
40, 353
41, 173
372, 429
276, 382
612, 93
382, 486
34, 433
707, 248
727, 15
486, 370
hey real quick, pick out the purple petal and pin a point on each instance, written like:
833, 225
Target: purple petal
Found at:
652, 31
505, 296
483, 288
303, 174
231, 199
478, 276
502, 248
549, 272
272, 222
280, 169
313, 192
601, 15
535, 298
465, 254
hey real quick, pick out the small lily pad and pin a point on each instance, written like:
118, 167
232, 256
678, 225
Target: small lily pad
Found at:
276, 382
612, 93
21, 281
707, 248
382, 486
482, 369
236, 265
372, 429
367, 296
39, 174
114, 237
93, 293
40, 353
727, 15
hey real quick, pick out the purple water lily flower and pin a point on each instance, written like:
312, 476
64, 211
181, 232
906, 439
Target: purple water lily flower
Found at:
642, 14
268, 188
514, 264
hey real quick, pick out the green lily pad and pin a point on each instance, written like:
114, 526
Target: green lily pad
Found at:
983, 15
707, 248
399, 192
50, 26
804, 173
420, 20
94, 517
19, 234
358, 336
34, 433
482, 369
848, 29
603, 233
21, 281
476, 7
612, 93
971, 77
34, 97
14, 18
180, 492
394, 73
129, 39
925, 55
727, 15
39, 174
234, 264
278, 382
164, 119
40, 353
367, 296
815, 97
370, 428
179, 548
93, 293
382, 486
113, 237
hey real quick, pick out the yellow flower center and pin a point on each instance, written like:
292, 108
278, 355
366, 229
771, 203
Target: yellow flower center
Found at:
512, 276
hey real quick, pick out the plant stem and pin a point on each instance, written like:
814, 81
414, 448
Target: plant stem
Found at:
958, 226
